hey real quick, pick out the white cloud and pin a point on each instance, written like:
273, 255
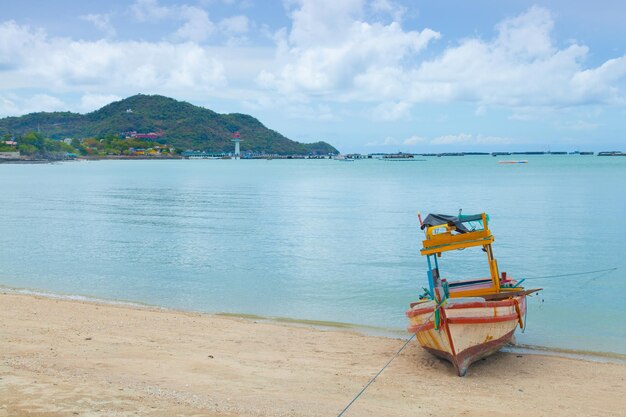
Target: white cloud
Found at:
526, 36
235, 24
330, 48
578, 125
12, 105
394, 10
467, 139
599, 84
322, 22
463, 139
14, 39
197, 27
492, 140
521, 66
104, 66
235, 29
309, 112
452, 139
388, 141
149, 10
45, 102
102, 22
8, 107
391, 111
523, 114
245, 4
90, 102
414, 140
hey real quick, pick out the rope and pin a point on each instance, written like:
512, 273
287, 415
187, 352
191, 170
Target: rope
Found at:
390, 360
575, 273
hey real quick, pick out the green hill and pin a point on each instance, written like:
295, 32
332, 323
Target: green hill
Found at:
183, 125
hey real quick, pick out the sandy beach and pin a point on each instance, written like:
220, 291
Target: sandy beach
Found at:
66, 358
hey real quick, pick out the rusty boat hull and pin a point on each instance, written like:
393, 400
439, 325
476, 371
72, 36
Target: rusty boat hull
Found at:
466, 330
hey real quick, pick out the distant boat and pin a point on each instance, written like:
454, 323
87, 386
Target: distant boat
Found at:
464, 321
612, 153
513, 162
400, 157
343, 158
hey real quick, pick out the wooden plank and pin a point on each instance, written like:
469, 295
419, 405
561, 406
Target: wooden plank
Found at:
452, 246
446, 238
508, 294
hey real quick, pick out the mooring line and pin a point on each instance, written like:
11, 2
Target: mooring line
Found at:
390, 360
575, 273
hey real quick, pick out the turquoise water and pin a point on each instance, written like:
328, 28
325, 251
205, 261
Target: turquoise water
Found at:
319, 239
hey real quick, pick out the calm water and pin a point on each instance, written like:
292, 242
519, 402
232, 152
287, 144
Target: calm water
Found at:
321, 240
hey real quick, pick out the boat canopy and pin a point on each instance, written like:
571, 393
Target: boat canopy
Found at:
457, 221
445, 232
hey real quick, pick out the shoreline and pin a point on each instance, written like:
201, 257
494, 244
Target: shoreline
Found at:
300, 157
365, 330
61, 357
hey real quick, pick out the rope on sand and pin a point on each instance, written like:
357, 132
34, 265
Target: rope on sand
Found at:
390, 360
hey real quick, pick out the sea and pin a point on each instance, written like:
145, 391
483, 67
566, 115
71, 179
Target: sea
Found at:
321, 241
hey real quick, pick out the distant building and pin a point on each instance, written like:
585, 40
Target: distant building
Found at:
9, 155
151, 135
10, 142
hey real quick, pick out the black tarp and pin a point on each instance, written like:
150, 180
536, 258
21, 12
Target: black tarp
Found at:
437, 219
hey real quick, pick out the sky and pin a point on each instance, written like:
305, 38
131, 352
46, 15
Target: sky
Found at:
364, 75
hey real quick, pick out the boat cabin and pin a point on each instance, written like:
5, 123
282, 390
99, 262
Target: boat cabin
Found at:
446, 233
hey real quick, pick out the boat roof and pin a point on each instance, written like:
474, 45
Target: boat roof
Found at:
438, 219
445, 232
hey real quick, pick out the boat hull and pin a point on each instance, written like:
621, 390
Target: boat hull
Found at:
467, 330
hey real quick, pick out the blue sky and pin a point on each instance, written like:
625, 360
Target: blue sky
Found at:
364, 75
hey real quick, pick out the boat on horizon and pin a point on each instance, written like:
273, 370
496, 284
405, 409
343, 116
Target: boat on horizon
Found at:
466, 320
400, 157
523, 161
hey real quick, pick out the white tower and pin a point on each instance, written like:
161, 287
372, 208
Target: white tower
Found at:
236, 138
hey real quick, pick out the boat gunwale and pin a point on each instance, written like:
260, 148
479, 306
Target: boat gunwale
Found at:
508, 302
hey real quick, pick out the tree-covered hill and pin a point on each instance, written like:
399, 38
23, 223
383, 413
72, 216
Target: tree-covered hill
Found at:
181, 124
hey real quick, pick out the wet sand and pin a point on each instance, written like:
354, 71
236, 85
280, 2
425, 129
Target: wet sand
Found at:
66, 358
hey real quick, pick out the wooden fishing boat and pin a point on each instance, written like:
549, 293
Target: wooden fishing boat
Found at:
464, 321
